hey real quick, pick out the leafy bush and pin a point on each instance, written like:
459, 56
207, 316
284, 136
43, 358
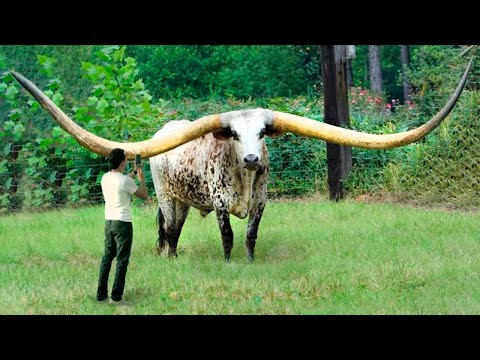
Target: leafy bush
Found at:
435, 75
51, 169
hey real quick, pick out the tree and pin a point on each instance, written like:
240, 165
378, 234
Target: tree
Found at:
374, 60
349, 74
405, 61
349, 70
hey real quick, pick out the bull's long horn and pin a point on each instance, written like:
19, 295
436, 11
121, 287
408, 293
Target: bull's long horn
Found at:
302, 126
101, 146
282, 122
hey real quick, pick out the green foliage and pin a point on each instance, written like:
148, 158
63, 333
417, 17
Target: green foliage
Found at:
119, 107
433, 72
198, 71
12, 131
391, 70
435, 75
48, 166
176, 71
24, 59
263, 71
34, 164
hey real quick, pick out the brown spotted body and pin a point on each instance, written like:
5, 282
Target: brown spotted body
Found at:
211, 177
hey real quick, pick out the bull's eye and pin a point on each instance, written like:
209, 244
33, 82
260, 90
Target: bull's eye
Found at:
235, 135
261, 134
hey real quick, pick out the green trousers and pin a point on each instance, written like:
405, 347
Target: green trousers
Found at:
118, 243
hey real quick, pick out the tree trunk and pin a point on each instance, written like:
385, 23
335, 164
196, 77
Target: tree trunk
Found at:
350, 49
350, 83
405, 60
365, 78
339, 158
376, 86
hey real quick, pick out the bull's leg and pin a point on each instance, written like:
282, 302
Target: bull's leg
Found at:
168, 211
253, 221
161, 232
181, 212
226, 230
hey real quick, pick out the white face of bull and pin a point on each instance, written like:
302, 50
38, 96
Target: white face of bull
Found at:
247, 130
248, 140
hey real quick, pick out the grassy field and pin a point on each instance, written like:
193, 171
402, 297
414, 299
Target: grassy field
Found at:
312, 257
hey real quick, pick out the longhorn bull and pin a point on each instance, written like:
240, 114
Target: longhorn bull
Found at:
220, 162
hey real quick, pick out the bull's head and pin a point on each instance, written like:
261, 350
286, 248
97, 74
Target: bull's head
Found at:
228, 124
247, 129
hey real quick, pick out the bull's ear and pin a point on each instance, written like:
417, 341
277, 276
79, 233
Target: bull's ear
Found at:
269, 131
222, 134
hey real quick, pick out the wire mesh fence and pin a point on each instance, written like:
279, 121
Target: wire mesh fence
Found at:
444, 168
51, 181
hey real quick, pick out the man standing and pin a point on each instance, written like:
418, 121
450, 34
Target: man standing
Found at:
117, 189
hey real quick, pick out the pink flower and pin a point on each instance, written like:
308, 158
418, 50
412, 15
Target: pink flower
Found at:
389, 106
354, 101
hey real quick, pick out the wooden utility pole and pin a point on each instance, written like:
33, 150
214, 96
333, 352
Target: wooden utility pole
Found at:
339, 158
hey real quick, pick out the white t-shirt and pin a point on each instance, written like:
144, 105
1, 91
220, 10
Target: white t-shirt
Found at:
117, 190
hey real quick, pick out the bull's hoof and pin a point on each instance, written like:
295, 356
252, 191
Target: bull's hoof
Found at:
227, 258
172, 254
250, 258
157, 250
160, 246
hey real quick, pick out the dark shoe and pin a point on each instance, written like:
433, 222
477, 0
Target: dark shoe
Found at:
120, 302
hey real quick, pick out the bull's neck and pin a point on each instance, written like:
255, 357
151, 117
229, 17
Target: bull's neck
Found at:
247, 178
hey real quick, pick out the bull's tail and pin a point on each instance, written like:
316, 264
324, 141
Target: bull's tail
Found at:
160, 220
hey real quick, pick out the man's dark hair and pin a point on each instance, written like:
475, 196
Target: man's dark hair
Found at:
116, 157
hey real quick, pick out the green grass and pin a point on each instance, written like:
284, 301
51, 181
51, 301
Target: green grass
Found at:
312, 257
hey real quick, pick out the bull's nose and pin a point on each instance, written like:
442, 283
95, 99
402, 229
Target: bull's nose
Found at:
251, 161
